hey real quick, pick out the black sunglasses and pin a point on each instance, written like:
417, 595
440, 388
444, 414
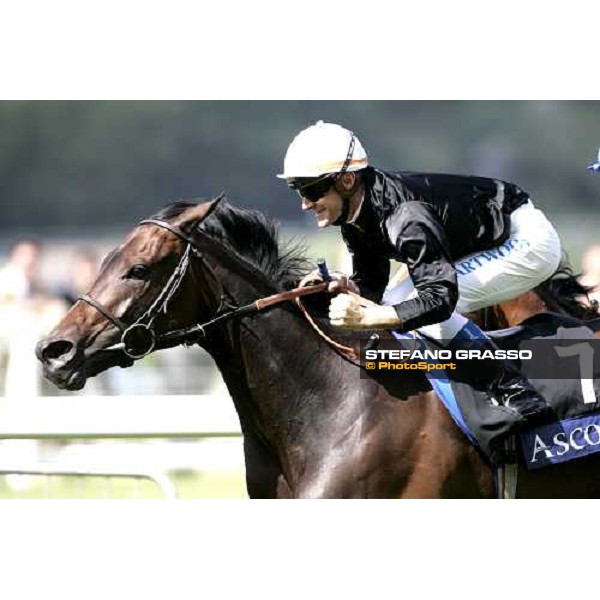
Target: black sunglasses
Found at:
313, 190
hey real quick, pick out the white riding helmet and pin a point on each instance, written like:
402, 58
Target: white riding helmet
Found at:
320, 149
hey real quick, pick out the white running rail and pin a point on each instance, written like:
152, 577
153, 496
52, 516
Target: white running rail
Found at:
111, 418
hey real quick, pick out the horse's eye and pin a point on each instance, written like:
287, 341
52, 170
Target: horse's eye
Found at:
137, 272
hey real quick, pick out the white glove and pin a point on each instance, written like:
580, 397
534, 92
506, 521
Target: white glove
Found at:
348, 311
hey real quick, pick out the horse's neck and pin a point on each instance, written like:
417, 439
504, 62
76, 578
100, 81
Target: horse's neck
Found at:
270, 362
298, 400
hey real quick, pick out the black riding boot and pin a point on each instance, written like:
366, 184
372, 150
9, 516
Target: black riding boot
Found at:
489, 399
501, 380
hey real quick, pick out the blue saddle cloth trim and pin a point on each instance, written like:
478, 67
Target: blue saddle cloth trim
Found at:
470, 331
443, 387
561, 441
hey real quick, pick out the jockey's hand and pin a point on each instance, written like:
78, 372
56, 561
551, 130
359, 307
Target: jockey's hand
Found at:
349, 311
339, 282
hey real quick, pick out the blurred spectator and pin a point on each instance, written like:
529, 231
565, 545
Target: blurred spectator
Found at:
18, 278
83, 274
27, 313
590, 266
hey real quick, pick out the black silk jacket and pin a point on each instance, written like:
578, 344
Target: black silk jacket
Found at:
428, 221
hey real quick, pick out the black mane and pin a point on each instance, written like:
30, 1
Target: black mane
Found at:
562, 293
252, 235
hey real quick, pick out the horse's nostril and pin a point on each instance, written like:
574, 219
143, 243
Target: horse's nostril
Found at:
56, 349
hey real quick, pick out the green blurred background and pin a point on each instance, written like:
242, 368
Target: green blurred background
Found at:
80, 165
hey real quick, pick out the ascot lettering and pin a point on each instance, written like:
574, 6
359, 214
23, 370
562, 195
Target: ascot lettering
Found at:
577, 440
587, 437
540, 446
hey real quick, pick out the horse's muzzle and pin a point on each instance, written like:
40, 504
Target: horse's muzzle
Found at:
58, 357
68, 367
55, 353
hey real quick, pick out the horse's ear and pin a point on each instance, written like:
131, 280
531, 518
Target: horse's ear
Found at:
214, 203
190, 218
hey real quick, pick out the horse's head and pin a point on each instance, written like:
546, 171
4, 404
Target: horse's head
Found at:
125, 310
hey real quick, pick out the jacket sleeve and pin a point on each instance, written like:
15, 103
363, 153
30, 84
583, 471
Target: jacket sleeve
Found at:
371, 274
420, 241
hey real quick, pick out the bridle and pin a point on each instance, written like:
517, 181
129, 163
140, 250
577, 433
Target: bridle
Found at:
140, 338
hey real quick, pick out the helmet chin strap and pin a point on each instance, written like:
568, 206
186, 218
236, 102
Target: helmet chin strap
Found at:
345, 212
346, 196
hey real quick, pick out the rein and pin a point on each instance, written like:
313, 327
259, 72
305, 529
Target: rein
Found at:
140, 338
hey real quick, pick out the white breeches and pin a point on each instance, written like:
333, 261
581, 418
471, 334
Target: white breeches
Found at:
530, 255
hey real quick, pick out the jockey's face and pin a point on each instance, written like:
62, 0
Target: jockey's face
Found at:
327, 209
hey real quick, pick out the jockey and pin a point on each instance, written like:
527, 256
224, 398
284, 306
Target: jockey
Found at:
467, 242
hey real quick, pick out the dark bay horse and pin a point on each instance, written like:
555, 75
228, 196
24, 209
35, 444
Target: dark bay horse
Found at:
313, 428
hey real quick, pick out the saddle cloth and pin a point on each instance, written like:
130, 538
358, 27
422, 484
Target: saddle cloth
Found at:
564, 367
